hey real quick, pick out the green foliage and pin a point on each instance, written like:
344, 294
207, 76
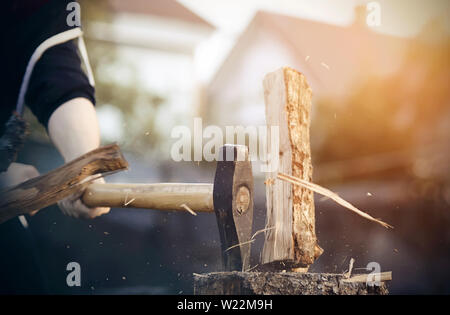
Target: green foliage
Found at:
128, 96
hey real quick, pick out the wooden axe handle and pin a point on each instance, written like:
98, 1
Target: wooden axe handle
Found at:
161, 196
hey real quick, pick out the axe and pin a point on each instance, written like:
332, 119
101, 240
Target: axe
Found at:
230, 198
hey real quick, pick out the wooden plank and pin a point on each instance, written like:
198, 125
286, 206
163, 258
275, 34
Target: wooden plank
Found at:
291, 239
47, 189
161, 196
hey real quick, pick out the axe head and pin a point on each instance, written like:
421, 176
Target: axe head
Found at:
233, 205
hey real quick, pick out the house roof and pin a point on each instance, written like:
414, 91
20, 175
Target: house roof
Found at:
162, 8
332, 55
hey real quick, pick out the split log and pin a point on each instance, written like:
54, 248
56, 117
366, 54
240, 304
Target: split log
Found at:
287, 283
47, 189
291, 238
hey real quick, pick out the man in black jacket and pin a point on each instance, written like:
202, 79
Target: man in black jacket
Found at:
42, 69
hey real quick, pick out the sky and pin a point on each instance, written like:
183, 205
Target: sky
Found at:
398, 17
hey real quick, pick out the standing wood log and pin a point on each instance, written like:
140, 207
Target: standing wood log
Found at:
290, 238
45, 190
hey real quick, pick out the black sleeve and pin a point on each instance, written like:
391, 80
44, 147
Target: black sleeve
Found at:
57, 78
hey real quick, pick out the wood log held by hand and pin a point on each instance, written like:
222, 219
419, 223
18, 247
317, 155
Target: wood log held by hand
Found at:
45, 190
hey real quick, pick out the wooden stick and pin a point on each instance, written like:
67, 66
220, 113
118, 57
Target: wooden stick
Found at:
350, 269
290, 208
164, 196
188, 209
371, 277
45, 190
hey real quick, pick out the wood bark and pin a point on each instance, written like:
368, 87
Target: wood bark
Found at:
164, 196
277, 283
47, 189
290, 237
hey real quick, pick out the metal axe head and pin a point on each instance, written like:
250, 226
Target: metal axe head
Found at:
233, 205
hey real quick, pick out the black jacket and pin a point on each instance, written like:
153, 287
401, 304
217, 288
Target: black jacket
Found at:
26, 24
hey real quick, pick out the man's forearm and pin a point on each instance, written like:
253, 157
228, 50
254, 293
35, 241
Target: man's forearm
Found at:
73, 128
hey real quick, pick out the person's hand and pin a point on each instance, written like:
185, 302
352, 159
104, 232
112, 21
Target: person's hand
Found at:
16, 174
73, 206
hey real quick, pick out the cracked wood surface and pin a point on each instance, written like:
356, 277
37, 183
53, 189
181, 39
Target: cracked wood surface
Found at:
292, 242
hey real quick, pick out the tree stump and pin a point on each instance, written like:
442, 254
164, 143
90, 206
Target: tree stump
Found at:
281, 283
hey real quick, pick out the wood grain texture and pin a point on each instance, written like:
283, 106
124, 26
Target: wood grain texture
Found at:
291, 238
277, 283
47, 189
161, 196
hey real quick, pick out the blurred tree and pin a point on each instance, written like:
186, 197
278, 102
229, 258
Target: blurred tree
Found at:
128, 96
390, 114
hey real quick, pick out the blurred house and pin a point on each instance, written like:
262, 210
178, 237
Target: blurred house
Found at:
331, 57
163, 25
366, 86
155, 44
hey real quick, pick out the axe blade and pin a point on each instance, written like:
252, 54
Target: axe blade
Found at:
233, 205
